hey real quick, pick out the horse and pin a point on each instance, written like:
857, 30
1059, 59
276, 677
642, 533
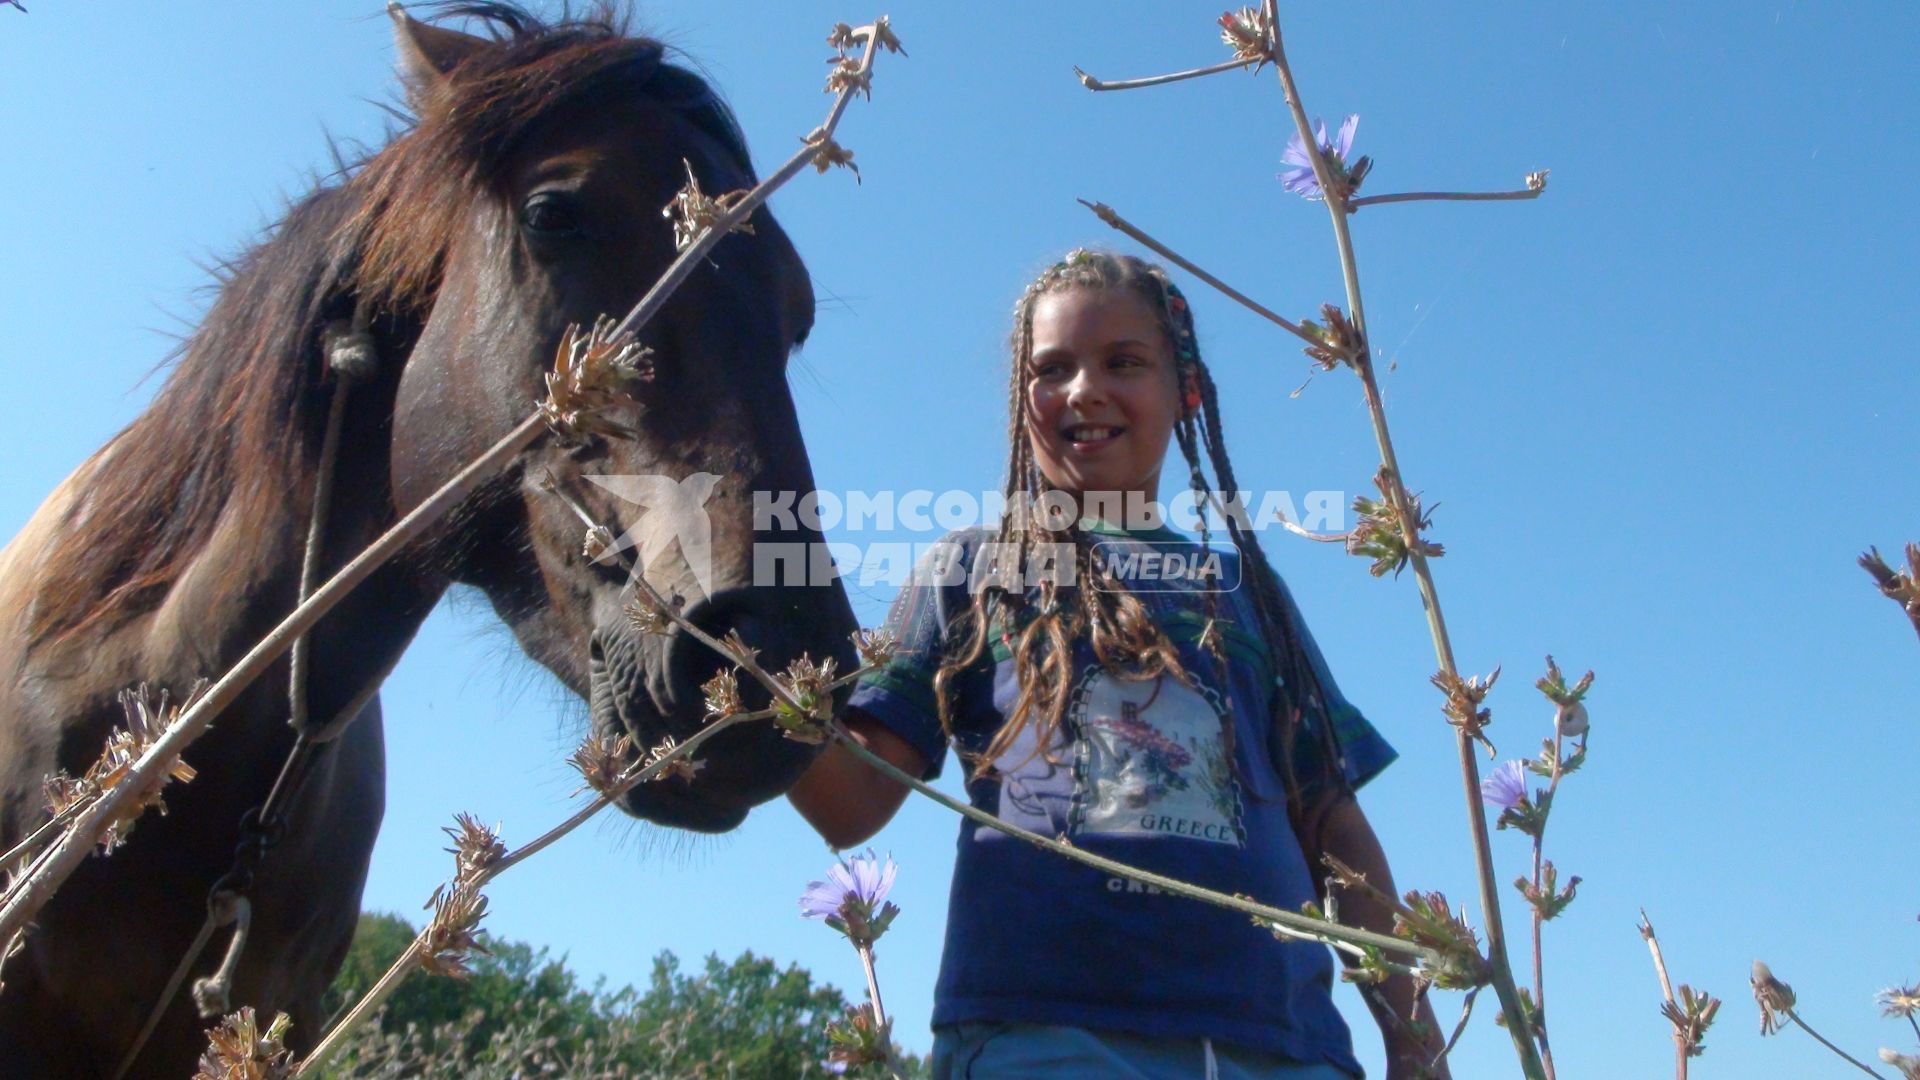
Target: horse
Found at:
524, 196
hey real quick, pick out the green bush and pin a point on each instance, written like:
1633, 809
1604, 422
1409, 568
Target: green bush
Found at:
523, 1014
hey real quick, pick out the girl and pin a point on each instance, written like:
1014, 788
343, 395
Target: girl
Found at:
1182, 722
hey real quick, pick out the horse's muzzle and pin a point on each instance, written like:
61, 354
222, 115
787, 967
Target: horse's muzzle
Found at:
649, 688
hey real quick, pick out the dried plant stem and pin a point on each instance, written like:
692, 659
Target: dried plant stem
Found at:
43, 834
1345, 938
1442, 196
605, 799
25, 901
637, 576
742, 210
1822, 1040
31, 871
1377, 1003
1659, 961
758, 673
1666, 991
747, 663
1459, 1028
1092, 83
73, 847
1106, 213
1518, 1027
363, 1009
409, 960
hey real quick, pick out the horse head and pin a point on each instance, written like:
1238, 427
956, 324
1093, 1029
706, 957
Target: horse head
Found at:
562, 223
525, 198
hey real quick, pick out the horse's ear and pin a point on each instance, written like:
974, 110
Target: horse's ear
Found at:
427, 53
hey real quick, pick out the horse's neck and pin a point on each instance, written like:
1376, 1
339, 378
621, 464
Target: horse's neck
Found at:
232, 593
246, 581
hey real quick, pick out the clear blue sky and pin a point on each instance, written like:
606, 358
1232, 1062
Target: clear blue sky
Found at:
1662, 408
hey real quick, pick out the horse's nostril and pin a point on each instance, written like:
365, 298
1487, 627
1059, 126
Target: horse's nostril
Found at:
691, 661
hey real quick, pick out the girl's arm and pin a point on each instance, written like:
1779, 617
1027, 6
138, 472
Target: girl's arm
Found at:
1340, 829
846, 800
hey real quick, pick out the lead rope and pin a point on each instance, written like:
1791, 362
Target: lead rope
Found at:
351, 358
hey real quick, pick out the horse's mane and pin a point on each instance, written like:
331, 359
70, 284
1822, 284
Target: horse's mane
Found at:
239, 419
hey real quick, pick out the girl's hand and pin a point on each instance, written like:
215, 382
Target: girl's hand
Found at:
1342, 830
846, 800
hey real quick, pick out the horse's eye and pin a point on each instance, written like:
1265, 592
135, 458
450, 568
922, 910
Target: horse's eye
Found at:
551, 214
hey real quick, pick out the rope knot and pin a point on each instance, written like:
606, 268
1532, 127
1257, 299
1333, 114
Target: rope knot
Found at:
350, 352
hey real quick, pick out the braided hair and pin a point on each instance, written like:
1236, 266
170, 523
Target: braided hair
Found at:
1124, 637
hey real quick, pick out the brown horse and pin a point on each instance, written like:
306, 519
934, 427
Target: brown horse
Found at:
526, 196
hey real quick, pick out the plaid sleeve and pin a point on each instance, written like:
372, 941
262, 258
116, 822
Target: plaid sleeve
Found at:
1363, 752
900, 695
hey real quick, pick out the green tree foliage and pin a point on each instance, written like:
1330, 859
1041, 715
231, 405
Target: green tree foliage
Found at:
524, 1014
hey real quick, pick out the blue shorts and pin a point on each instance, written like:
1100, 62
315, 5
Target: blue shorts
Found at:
997, 1051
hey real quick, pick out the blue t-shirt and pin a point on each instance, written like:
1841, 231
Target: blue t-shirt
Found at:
1139, 772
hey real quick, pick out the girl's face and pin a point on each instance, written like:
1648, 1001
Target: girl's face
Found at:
1101, 392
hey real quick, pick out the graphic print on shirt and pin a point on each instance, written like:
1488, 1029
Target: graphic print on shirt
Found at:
1152, 761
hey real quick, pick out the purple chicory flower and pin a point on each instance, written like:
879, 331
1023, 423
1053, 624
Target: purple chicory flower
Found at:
862, 878
853, 898
1300, 179
1506, 787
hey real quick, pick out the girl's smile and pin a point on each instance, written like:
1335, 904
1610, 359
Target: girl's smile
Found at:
1087, 438
1100, 392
